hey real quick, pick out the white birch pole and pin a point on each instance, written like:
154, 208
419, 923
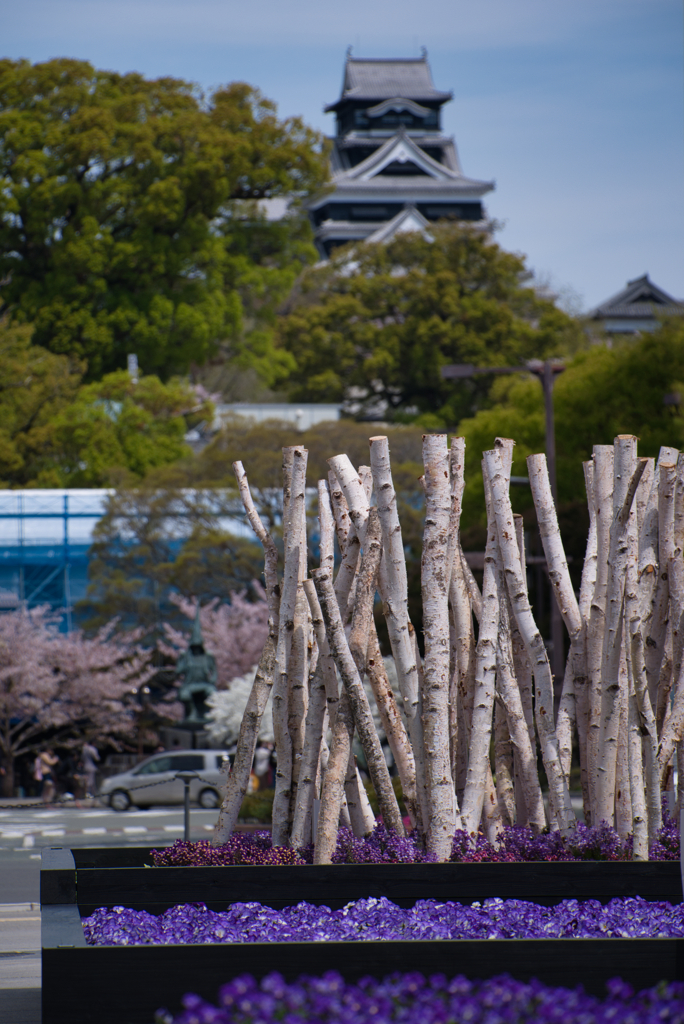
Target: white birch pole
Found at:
294, 480
457, 480
363, 718
395, 601
623, 793
485, 676
332, 793
558, 790
340, 511
238, 780
639, 679
636, 777
658, 547
582, 687
435, 594
311, 753
603, 501
326, 524
503, 766
521, 663
627, 474
356, 812
564, 594
463, 678
298, 691
509, 696
394, 728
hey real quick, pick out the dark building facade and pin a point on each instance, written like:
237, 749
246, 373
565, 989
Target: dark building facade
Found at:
392, 168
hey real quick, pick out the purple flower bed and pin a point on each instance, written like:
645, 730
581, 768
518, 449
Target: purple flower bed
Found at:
383, 847
373, 919
415, 999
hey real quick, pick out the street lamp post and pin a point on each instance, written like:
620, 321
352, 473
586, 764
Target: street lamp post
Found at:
547, 371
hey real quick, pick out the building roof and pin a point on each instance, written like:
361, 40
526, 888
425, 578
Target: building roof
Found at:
431, 179
408, 219
339, 160
640, 300
388, 78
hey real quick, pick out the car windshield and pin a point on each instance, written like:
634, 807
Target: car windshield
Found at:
160, 764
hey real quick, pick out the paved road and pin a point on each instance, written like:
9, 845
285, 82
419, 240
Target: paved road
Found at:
24, 832
32, 828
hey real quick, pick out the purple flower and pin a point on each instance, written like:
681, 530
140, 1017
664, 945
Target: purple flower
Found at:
415, 999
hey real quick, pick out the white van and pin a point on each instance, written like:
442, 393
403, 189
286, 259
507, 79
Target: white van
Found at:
153, 781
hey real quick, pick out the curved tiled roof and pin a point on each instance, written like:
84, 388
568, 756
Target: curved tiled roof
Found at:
380, 79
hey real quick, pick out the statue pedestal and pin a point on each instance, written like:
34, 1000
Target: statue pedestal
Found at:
185, 736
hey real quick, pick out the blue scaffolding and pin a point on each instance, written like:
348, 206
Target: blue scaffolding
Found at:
45, 537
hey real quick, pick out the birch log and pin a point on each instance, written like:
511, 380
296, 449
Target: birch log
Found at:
582, 689
332, 793
564, 594
294, 480
627, 474
375, 759
356, 812
238, 780
640, 825
503, 766
658, 547
463, 674
603, 500
484, 688
509, 695
326, 525
435, 594
558, 790
395, 601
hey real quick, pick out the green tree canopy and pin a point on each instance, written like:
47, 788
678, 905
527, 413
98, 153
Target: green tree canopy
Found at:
126, 208
35, 386
377, 323
603, 392
56, 431
154, 541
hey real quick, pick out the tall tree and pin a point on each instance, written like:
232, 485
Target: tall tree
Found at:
376, 324
63, 688
153, 541
35, 387
125, 207
602, 393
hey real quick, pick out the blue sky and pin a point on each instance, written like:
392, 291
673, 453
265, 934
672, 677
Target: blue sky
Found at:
574, 107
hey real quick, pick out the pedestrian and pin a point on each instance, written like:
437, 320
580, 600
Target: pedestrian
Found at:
262, 765
90, 757
38, 774
48, 761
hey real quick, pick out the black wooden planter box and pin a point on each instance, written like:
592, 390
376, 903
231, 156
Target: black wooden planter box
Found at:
125, 985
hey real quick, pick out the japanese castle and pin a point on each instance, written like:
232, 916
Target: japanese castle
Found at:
392, 168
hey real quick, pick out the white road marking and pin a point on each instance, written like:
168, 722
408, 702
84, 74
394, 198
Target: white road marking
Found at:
135, 828
93, 831
11, 835
53, 832
173, 828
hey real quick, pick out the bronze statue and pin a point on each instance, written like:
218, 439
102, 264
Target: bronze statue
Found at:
199, 671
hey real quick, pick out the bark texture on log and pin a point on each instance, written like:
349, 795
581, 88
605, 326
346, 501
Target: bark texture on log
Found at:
558, 790
435, 594
337, 641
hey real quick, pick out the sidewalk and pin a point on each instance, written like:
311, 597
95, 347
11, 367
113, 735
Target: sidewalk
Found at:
20, 963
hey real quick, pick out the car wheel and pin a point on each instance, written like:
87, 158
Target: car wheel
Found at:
209, 799
120, 800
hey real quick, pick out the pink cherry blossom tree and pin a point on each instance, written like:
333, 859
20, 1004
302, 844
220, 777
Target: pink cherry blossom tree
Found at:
64, 687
